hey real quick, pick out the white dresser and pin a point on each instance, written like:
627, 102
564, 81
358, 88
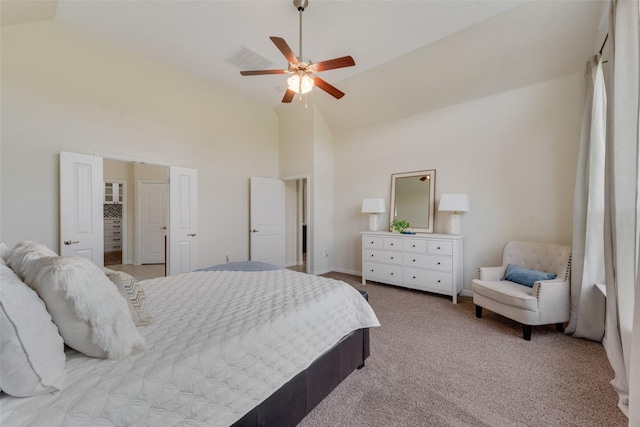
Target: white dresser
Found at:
112, 234
428, 262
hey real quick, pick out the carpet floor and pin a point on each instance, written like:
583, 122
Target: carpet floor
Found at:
434, 363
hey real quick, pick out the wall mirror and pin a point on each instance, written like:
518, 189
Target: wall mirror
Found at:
412, 199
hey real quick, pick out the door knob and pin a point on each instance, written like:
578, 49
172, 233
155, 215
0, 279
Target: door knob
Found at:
192, 234
71, 242
253, 230
163, 228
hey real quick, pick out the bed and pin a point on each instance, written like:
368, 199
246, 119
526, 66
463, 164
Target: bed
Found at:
224, 348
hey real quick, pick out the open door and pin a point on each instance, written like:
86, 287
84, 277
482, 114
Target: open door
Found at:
267, 221
183, 220
152, 207
81, 201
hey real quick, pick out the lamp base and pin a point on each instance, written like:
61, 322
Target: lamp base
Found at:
373, 222
455, 223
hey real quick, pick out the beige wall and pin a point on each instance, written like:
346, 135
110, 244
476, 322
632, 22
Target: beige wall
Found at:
63, 90
514, 153
306, 148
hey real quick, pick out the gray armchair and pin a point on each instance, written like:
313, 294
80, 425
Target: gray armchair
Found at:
546, 302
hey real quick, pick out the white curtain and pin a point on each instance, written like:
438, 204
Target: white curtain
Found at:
587, 262
622, 184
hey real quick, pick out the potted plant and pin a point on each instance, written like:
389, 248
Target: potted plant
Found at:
399, 225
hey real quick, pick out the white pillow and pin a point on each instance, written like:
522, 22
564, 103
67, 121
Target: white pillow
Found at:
31, 349
91, 315
23, 253
4, 251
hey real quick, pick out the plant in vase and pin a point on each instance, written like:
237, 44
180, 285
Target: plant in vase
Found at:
399, 225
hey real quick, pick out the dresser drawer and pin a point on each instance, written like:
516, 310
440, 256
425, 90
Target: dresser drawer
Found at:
372, 242
428, 261
383, 272
393, 243
110, 226
428, 280
388, 257
415, 245
111, 247
112, 233
439, 247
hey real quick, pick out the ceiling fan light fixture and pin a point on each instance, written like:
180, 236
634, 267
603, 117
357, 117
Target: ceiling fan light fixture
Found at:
300, 85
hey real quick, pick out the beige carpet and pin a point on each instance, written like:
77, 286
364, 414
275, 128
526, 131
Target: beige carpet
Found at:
435, 364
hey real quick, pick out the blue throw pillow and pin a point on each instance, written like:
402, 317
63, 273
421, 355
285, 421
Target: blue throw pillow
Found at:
526, 277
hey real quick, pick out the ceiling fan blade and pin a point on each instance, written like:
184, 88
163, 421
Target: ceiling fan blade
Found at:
331, 64
330, 89
285, 49
260, 72
288, 96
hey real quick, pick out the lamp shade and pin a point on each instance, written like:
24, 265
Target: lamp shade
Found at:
454, 203
373, 206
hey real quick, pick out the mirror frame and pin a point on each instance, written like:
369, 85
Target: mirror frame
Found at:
432, 193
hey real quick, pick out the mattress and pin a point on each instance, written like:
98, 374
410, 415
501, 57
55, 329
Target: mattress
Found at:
221, 343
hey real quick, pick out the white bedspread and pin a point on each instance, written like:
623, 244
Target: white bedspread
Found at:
221, 343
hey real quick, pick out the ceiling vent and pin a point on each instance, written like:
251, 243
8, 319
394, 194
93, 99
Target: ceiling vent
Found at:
248, 59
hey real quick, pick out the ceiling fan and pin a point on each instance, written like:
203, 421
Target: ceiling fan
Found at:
302, 70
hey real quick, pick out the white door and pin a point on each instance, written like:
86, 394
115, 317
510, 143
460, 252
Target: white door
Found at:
183, 220
267, 220
153, 221
81, 216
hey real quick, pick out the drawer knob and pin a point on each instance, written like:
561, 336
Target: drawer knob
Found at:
391, 257
371, 255
414, 277
438, 263
413, 260
438, 247
413, 246
392, 274
438, 281
372, 243
392, 244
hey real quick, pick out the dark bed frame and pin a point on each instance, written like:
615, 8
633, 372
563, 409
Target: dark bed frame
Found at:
288, 405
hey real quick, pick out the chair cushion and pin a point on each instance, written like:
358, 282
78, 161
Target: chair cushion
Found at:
508, 293
525, 276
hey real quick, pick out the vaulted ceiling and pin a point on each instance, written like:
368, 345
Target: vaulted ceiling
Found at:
411, 56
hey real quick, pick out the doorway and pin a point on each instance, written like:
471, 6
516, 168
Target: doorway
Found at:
296, 224
143, 216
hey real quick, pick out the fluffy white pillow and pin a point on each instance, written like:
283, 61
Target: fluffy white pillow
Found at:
133, 293
31, 349
23, 253
91, 315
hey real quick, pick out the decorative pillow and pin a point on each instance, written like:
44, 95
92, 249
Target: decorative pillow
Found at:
133, 293
31, 349
25, 252
526, 277
91, 315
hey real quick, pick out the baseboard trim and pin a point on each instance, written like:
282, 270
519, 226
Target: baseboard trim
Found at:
466, 293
